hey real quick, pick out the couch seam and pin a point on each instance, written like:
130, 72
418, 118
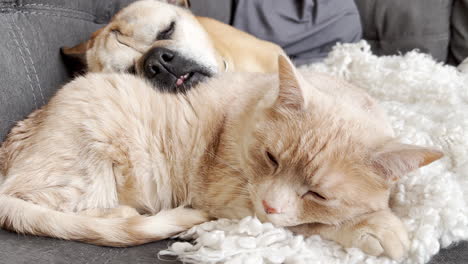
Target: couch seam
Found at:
15, 39
45, 14
46, 7
52, 7
34, 71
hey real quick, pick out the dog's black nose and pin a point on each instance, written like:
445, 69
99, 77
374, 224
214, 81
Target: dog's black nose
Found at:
158, 61
170, 71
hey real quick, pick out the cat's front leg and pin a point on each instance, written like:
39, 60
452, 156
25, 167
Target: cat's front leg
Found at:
378, 233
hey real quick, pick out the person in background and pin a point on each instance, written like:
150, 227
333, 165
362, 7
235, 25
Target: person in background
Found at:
305, 29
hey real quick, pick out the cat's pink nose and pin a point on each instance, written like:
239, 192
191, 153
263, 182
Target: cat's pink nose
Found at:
268, 208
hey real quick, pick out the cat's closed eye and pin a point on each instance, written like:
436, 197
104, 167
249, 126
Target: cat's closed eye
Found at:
315, 195
272, 159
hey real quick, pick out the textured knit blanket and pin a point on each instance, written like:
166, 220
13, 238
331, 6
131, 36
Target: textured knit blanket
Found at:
428, 105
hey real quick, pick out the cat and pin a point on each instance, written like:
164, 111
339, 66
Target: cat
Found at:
110, 161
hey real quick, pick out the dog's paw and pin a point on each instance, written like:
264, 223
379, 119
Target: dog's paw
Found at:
380, 233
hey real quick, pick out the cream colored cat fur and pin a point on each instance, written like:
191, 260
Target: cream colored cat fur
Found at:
110, 161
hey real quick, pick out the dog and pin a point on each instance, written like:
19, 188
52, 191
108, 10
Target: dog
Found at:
167, 45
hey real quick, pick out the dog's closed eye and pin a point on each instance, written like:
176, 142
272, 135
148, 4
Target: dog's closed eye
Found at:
166, 33
119, 37
131, 69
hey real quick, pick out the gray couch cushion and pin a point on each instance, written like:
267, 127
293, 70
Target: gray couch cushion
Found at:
401, 25
219, 10
15, 249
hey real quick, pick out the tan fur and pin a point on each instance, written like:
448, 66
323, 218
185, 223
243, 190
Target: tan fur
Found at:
242, 51
132, 32
111, 141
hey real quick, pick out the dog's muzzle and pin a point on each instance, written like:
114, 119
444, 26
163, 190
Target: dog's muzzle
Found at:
170, 71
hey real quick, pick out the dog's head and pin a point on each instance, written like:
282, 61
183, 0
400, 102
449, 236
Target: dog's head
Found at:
161, 42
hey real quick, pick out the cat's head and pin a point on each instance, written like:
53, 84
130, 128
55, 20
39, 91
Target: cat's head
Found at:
311, 160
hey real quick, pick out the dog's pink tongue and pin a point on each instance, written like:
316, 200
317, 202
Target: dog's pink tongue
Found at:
182, 79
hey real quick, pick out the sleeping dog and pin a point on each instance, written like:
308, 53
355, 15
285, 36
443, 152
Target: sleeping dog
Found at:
172, 48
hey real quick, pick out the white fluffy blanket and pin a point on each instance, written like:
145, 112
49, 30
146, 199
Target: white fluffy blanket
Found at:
428, 105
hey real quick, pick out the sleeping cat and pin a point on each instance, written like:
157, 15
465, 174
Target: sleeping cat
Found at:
110, 161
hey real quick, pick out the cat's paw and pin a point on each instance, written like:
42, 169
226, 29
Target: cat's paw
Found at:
380, 233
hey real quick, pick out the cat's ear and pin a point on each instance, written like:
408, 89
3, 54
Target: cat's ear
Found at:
290, 82
396, 159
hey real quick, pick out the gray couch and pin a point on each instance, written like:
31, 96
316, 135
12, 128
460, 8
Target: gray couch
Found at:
31, 70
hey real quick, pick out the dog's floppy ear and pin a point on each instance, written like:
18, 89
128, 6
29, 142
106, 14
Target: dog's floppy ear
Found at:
75, 57
183, 3
76, 53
